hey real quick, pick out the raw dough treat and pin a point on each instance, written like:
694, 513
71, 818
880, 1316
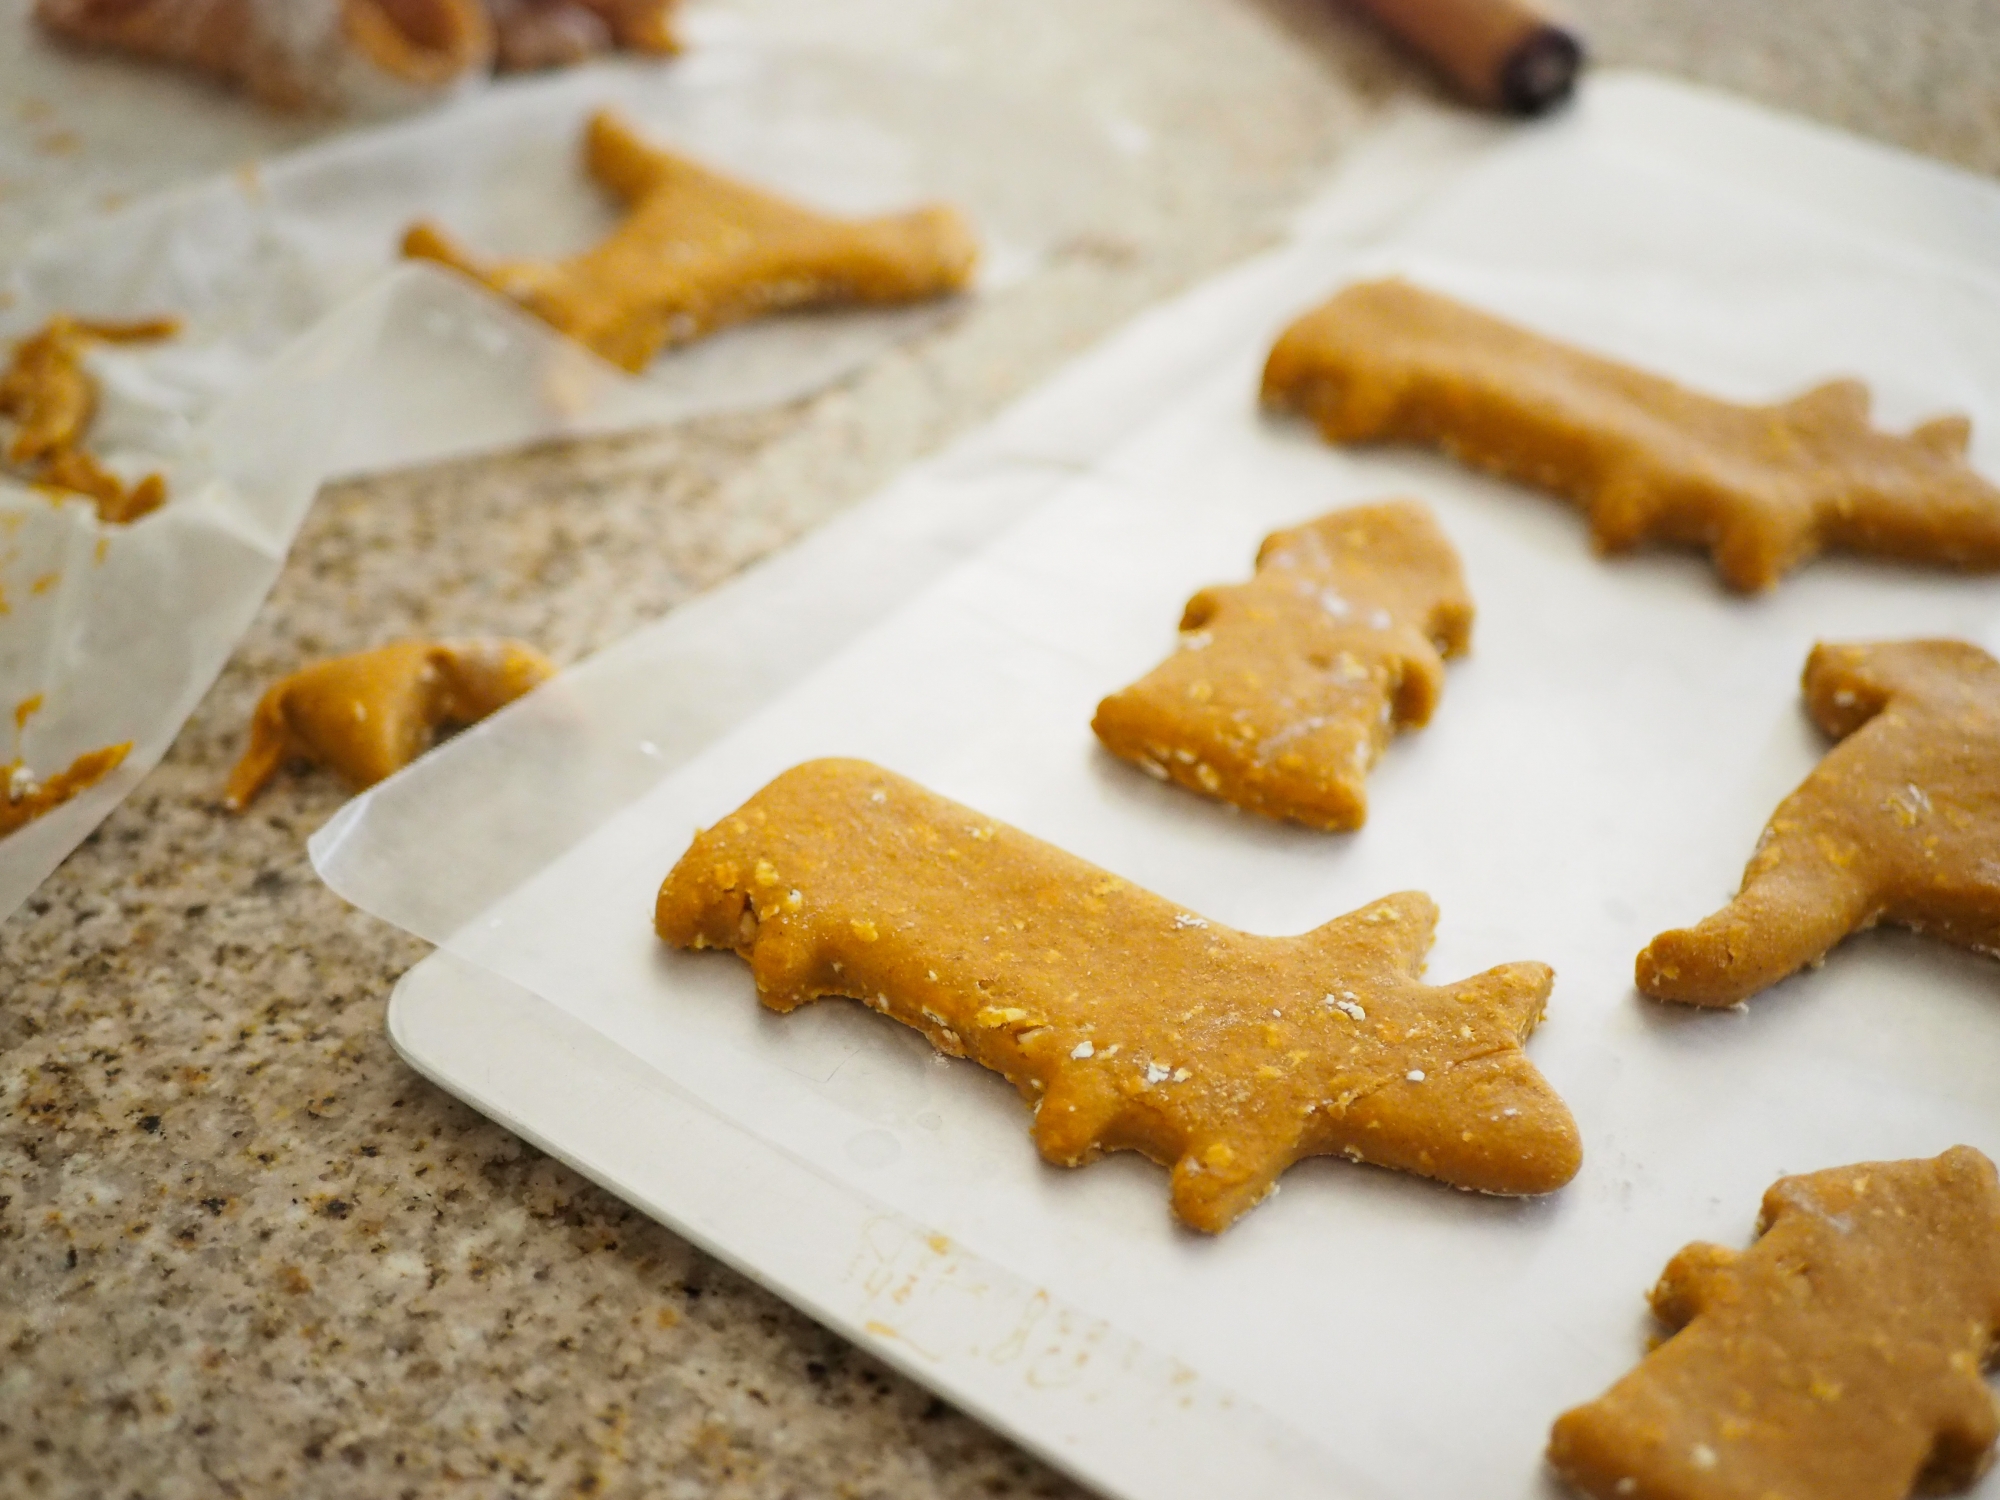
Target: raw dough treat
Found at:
368, 715
699, 252
1131, 1025
1899, 823
1287, 688
1837, 1359
24, 799
362, 53
557, 33
52, 400
1763, 488
296, 53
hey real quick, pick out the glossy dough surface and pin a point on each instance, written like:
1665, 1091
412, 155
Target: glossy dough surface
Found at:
698, 252
1762, 488
1286, 689
368, 715
1900, 823
1838, 1358
1128, 1023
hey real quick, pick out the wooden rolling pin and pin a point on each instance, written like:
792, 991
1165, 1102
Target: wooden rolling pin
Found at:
1504, 54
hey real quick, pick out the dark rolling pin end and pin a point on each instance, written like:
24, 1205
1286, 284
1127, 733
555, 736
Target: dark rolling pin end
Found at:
1504, 54
1540, 72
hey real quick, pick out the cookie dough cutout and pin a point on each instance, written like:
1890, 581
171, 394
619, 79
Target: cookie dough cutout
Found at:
52, 400
1838, 1358
1899, 824
698, 252
23, 798
367, 716
1286, 689
1762, 488
293, 53
1128, 1023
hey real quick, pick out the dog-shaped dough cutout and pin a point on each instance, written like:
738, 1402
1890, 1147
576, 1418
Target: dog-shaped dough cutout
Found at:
1286, 689
1838, 1358
1130, 1024
1762, 488
698, 252
1898, 823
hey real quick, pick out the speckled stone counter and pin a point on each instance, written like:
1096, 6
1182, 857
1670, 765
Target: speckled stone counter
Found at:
243, 1250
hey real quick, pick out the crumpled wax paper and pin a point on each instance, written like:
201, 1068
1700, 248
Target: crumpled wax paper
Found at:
309, 351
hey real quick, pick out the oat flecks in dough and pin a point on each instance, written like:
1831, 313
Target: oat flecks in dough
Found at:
1287, 688
1838, 1358
52, 400
1763, 488
1899, 823
368, 715
698, 252
1218, 1053
23, 798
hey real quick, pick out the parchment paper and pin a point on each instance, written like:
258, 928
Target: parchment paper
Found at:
1598, 770
309, 351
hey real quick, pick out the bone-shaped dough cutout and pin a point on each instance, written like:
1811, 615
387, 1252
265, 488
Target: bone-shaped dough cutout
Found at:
1286, 689
368, 715
24, 798
1763, 488
52, 400
291, 53
1838, 1358
1898, 823
1129, 1023
697, 252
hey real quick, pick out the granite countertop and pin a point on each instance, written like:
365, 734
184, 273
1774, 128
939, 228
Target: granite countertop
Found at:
243, 1249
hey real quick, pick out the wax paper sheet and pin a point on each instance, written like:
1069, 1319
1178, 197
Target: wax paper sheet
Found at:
1597, 771
309, 351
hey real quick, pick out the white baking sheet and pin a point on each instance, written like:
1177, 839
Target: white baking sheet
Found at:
309, 351
1598, 770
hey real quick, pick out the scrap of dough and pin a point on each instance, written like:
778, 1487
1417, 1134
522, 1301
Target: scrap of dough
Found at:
699, 252
24, 799
118, 503
1286, 689
1838, 1358
1763, 488
1129, 1023
368, 715
293, 53
557, 33
1899, 823
52, 400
